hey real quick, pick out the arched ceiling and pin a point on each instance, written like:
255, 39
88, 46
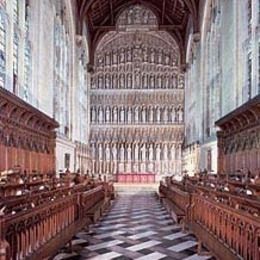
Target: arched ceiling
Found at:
173, 16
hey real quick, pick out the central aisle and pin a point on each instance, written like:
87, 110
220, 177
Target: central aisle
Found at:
136, 227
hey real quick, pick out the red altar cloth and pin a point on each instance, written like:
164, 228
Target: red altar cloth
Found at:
135, 177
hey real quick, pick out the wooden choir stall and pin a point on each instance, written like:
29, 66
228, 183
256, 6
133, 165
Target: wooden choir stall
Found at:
223, 210
39, 213
27, 137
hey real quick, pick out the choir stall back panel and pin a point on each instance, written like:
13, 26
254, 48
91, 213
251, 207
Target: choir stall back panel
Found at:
27, 136
239, 138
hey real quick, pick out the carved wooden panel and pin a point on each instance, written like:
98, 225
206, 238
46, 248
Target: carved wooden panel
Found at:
27, 136
239, 139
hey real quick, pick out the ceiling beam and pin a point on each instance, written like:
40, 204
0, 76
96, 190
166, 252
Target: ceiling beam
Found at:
161, 27
163, 10
111, 12
170, 27
104, 27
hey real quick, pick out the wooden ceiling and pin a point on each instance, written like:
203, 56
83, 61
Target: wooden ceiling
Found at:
173, 15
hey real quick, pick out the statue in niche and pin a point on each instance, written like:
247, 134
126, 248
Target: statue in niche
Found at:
136, 152
100, 60
175, 115
129, 153
100, 151
93, 115
108, 153
145, 83
181, 82
180, 115
152, 81
159, 80
136, 115
145, 54
100, 81
115, 119
129, 81
160, 57
165, 115
122, 55
107, 59
122, 115
165, 154
151, 153
143, 155
122, 153
114, 81
100, 116
130, 17
129, 116
152, 54
114, 57
137, 54
174, 80
137, 80
114, 152
107, 115
167, 85
151, 115
158, 115
122, 80
158, 153
129, 54
143, 115
107, 84
167, 59
145, 17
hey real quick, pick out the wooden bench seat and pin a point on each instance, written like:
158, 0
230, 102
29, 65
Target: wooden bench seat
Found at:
177, 214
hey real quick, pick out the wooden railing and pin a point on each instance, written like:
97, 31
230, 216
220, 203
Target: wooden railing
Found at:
176, 201
237, 230
227, 222
25, 232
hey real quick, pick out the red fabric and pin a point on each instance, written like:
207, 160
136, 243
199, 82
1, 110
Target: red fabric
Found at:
135, 177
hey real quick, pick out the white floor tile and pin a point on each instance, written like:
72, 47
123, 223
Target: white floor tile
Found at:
176, 235
142, 235
183, 246
153, 256
110, 234
112, 227
197, 257
104, 244
143, 245
106, 256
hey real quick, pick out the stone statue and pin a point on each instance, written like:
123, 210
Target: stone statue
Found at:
108, 153
114, 151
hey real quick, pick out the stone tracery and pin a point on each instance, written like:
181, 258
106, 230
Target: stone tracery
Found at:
137, 97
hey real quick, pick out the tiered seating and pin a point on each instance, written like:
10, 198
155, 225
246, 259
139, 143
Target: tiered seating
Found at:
36, 222
175, 199
224, 213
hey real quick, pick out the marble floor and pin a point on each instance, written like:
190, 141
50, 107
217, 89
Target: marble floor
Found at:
136, 227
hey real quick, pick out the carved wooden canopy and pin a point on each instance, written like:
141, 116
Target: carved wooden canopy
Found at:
244, 117
173, 16
22, 125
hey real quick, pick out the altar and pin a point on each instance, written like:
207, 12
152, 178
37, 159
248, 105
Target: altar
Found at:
138, 177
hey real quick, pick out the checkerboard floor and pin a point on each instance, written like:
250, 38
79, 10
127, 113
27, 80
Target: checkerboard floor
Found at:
136, 227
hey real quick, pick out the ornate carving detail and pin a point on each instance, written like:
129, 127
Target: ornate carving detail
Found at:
137, 16
137, 98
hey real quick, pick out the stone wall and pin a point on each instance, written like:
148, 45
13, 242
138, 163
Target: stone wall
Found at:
222, 71
51, 69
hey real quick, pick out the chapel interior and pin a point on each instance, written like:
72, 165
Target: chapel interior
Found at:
130, 129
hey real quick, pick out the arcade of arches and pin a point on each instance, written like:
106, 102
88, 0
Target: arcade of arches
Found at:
100, 98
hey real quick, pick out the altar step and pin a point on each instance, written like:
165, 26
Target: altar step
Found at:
136, 188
